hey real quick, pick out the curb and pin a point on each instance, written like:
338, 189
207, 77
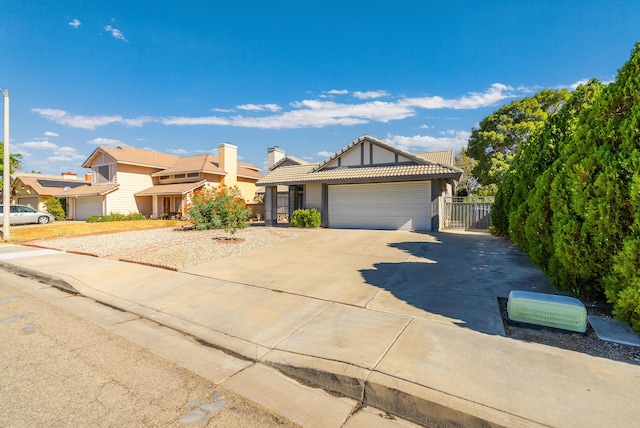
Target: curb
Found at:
410, 401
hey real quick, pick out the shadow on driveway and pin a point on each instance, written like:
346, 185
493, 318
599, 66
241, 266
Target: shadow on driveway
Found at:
455, 278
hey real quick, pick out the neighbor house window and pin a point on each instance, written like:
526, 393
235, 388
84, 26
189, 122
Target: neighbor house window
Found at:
102, 174
164, 177
193, 175
179, 176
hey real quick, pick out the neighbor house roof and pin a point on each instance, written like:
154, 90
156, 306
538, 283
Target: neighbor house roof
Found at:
443, 157
133, 156
171, 189
88, 190
199, 163
47, 185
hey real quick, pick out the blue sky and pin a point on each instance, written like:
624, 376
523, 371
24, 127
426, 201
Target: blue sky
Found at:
307, 76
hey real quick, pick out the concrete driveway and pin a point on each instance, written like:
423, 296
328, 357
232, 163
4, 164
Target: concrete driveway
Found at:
448, 277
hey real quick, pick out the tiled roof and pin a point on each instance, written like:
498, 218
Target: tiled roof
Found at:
306, 174
88, 190
134, 156
289, 160
425, 166
171, 189
199, 163
444, 157
248, 173
208, 164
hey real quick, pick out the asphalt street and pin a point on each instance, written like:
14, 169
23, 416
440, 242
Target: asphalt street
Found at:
61, 370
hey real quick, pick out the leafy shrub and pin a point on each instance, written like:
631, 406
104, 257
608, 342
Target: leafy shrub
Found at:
54, 207
116, 217
219, 208
305, 218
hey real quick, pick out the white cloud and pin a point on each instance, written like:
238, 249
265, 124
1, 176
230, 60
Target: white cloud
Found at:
86, 122
115, 33
259, 107
370, 94
58, 154
38, 145
311, 113
453, 140
178, 151
324, 154
222, 110
496, 93
106, 142
75, 23
425, 126
338, 92
51, 134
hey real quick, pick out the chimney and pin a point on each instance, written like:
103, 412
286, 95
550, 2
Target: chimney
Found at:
69, 175
228, 160
274, 155
88, 176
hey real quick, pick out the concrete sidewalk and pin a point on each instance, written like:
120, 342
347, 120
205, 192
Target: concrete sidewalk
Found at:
349, 312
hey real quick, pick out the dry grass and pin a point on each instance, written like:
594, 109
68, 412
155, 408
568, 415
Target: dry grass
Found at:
69, 229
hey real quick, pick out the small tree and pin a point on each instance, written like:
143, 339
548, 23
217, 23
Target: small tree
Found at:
54, 207
219, 208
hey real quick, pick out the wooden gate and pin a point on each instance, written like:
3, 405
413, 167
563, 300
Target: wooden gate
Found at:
468, 213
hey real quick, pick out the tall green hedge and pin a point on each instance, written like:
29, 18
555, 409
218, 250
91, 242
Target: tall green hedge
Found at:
571, 197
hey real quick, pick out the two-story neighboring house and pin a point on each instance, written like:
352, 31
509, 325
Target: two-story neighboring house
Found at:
129, 180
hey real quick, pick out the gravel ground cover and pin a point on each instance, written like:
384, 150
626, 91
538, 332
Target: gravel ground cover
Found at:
173, 248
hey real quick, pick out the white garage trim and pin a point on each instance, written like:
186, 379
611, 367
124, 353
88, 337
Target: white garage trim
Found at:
394, 206
86, 207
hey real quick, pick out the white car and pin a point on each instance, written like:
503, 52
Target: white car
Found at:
22, 214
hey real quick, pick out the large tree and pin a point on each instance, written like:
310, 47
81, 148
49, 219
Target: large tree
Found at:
14, 161
498, 138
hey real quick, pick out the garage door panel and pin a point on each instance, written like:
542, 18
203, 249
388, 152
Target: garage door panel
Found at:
86, 207
380, 206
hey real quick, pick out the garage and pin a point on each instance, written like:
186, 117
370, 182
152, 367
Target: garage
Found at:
393, 206
86, 207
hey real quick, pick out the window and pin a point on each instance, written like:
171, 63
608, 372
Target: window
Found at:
164, 177
179, 176
193, 175
102, 174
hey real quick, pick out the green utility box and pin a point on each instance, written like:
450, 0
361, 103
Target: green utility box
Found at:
549, 310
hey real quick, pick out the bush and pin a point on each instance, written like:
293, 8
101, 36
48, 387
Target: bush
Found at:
305, 218
116, 217
219, 208
54, 207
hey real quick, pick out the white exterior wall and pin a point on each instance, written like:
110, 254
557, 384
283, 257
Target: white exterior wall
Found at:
352, 158
313, 196
381, 155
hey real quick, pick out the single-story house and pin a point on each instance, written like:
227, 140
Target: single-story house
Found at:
129, 180
369, 184
33, 189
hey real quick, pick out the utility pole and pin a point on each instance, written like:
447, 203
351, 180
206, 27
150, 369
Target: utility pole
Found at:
6, 176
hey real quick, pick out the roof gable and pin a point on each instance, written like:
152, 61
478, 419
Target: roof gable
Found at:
366, 160
367, 151
132, 156
289, 161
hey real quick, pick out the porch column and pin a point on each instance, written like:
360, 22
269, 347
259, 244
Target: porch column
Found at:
154, 206
271, 205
